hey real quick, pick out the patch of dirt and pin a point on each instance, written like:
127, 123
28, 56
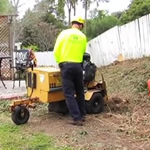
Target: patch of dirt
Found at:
107, 130
125, 122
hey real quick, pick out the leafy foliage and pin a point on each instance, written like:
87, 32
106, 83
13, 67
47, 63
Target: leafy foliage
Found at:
137, 9
4, 6
41, 27
100, 24
33, 47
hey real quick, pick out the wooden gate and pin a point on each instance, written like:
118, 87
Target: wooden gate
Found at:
6, 46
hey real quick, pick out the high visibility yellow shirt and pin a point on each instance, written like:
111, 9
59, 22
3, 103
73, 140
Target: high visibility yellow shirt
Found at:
70, 46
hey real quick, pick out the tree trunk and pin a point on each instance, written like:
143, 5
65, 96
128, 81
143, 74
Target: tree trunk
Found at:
85, 2
69, 16
74, 9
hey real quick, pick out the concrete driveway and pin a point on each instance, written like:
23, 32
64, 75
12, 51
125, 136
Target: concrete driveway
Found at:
11, 92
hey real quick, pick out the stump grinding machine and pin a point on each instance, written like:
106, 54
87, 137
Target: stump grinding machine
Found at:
44, 85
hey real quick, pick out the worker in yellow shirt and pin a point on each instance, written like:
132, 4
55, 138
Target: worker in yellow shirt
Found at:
69, 49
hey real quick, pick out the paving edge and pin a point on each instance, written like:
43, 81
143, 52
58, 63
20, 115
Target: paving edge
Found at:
11, 97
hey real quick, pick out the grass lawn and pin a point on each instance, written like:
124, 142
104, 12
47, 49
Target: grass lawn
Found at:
13, 137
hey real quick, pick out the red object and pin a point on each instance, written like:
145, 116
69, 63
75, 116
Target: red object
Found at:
148, 82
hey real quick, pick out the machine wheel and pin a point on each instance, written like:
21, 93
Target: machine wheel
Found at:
20, 115
95, 104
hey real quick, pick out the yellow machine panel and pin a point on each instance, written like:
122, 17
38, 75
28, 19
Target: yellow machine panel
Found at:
46, 83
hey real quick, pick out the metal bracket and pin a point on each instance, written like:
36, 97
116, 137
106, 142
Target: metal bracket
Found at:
24, 102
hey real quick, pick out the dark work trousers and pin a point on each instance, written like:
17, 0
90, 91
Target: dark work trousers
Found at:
73, 87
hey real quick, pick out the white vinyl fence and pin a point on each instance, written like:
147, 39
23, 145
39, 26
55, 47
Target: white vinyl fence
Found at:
129, 41
45, 59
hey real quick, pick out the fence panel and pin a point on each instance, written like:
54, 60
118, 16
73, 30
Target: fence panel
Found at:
144, 28
45, 59
130, 41
105, 48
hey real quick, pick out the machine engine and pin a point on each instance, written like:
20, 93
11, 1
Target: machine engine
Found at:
89, 68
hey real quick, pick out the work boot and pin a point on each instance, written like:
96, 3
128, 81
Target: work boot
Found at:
76, 123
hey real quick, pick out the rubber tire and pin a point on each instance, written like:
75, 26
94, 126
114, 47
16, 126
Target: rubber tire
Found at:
16, 115
95, 105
